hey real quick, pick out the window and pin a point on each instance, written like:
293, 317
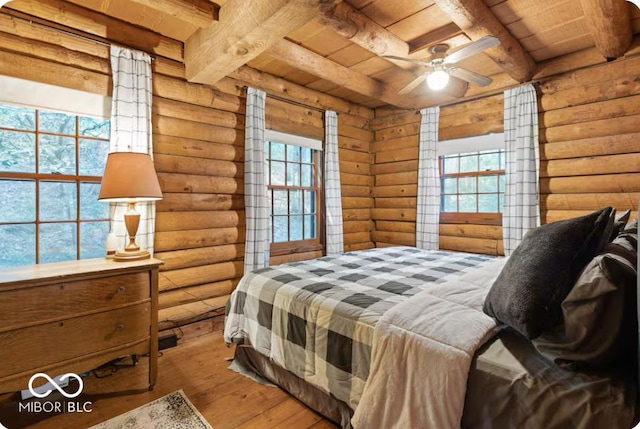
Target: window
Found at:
294, 194
472, 182
51, 165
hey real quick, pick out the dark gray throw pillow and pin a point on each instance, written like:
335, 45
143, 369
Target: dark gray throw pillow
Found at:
541, 271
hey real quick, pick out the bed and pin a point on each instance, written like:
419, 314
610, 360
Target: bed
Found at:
397, 337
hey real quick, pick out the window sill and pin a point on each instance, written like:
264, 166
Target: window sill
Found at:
471, 218
292, 247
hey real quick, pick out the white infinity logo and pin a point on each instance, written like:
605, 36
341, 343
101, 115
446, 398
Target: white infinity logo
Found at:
636, 2
2, 3
54, 384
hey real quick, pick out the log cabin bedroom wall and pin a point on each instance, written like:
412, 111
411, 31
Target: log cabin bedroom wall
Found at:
589, 141
589, 152
198, 134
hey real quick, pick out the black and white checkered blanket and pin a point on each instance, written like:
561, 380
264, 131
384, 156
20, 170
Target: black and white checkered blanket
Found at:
315, 318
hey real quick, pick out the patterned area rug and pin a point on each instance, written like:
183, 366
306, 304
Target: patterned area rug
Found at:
173, 411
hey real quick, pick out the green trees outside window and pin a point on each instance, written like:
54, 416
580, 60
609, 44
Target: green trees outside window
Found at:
293, 192
472, 182
51, 165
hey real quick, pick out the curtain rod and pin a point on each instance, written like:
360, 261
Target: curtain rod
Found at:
68, 30
295, 103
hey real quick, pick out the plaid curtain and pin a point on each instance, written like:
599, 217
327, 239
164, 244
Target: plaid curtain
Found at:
428, 201
332, 194
521, 202
256, 249
131, 132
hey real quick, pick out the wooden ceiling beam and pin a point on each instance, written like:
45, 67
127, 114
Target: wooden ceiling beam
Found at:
366, 33
245, 29
198, 12
610, 26
363, 31
477, 21
310, 62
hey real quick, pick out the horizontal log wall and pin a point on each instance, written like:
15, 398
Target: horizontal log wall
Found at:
590, 140
354, 138
395, 172
198, 136
589, 150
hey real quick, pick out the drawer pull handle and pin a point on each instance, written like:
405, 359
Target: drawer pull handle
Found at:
119, 327
120, 289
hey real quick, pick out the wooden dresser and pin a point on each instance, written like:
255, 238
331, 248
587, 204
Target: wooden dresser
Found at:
75, 316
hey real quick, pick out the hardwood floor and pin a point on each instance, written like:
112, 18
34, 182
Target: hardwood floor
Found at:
198, 367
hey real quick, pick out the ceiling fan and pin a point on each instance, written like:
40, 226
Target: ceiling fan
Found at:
439, 67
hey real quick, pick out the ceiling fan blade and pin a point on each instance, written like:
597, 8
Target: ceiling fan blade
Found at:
413, 84
469, 76
411, 60
471, 49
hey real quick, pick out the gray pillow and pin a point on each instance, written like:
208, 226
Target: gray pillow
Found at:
620, 222
599, 327
540, 272
631, 228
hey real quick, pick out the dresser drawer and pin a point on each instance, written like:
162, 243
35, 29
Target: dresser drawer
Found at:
20, 307
37, 346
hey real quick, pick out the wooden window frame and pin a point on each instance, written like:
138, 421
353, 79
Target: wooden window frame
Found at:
477, 218
305, 245
38, 177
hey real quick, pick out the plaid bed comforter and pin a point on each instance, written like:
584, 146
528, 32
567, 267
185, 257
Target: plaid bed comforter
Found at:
316, 318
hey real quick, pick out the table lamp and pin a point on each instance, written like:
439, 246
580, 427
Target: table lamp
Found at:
130, 177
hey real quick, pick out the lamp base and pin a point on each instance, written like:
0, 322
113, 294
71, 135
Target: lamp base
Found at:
135, 255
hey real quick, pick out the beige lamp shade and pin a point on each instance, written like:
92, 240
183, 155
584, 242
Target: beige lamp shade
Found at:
129, 177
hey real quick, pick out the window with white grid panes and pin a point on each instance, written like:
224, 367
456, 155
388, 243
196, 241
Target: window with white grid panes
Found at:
294, 194
472, 182
51, 165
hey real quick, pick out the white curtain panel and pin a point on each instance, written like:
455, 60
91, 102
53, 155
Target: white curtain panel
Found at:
256, 249
332, 193
428, 201
521, 202
131, 131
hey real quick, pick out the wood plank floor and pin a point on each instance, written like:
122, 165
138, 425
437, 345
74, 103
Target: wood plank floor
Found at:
225, 398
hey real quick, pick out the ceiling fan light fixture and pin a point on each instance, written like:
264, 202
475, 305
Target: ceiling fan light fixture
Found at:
437, 79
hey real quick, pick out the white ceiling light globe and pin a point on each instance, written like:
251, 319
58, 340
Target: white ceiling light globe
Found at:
437, 80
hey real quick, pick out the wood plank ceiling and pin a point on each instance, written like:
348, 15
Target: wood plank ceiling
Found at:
337, 46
